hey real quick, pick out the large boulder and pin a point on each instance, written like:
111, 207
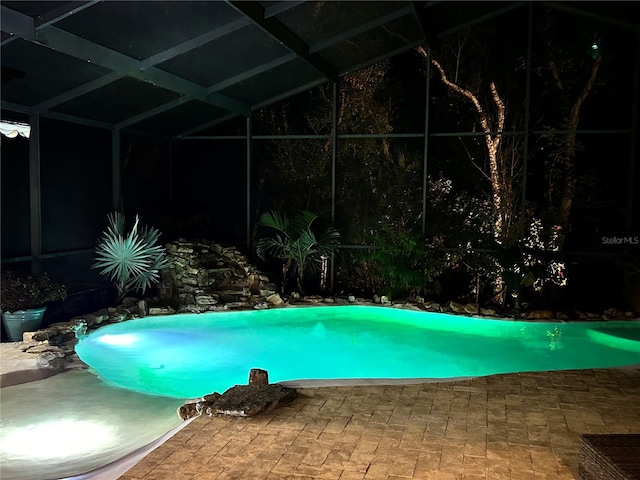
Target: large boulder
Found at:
241, 400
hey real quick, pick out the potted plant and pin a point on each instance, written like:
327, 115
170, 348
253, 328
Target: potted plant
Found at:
24, 299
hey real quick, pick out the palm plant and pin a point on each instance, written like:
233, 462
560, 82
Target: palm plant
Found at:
131, 260
299, 243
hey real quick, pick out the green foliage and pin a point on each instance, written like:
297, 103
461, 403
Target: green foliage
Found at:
520, 269
29, 291
460, 237
300, 243
130, 260
304, 187
629, 264
634, 271
399, 262
381, 182
373, 180
355, 274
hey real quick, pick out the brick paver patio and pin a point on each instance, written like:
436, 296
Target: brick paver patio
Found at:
517, 426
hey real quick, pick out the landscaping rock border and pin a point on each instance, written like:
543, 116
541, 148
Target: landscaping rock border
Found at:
204, 276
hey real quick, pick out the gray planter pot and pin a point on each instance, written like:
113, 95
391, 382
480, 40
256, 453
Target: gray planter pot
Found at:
16, 323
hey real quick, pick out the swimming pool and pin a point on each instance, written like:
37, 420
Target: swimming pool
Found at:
190, 355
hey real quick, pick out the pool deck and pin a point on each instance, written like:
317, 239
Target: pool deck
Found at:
514, 426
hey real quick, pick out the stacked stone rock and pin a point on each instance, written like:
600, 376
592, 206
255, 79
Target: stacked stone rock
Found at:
206, 276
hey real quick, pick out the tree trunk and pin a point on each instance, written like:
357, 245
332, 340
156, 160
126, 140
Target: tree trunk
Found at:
286, 265
565, 158
501, 181
492, 137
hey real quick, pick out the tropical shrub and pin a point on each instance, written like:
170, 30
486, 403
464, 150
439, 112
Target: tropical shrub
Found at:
300, 243
22, 292
399, 260
131, 260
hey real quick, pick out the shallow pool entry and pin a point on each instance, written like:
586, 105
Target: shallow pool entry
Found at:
72, 423
190, 355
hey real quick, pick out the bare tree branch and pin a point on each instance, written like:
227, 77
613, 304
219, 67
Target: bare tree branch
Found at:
473, 162
500, 181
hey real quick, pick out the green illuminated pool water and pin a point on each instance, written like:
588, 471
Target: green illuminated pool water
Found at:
190, 355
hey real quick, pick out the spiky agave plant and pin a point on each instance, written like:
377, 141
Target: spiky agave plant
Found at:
131, 260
